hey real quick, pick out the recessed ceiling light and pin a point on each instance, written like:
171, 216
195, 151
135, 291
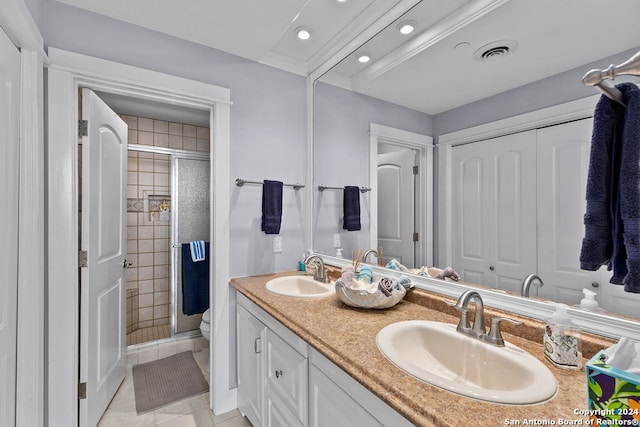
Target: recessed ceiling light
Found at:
364, 58
303, 33
341, 1
406, 27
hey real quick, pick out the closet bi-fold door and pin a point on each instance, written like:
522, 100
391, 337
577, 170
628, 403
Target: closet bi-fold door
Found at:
494, 210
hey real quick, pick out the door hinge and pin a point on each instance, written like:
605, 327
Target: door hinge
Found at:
82, 258
82, 391
415, 237
415, 170
83, 127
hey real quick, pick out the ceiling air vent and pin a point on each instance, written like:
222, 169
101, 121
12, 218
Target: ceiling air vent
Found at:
495, 50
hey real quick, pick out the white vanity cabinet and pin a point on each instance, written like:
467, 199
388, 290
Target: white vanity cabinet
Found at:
282, 381
251, 335
336, 399
286, 383
272, 369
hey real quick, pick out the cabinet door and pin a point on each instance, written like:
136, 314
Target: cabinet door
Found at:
251, 335
286, 383
330, 405
494, 210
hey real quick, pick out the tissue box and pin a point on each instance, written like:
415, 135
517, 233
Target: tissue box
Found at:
613, 394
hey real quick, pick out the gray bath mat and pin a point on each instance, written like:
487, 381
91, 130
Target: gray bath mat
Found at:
167, 380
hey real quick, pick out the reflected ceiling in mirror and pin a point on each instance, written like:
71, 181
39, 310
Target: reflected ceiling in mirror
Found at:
464, 51
466, 63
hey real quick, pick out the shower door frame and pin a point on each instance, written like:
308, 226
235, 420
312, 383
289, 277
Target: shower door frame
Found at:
175, 244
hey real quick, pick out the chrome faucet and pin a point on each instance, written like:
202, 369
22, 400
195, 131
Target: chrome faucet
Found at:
321, 274
370, 251
526, 284
478, 330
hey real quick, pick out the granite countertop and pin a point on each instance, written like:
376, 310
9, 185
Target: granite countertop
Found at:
347, 337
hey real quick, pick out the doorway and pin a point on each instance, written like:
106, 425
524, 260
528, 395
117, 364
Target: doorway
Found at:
399, 190
401, 175
67, 72
167, 205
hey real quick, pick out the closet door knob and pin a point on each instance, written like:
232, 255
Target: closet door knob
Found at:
595, 284
126, 264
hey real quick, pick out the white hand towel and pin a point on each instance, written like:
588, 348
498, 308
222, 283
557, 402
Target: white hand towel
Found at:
197, 251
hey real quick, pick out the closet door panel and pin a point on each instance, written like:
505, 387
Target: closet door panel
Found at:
512, 218
470, 208
563, 161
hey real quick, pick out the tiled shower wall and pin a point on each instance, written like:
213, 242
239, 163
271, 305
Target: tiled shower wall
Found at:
148, 233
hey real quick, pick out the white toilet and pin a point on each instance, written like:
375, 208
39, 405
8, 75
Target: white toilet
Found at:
205, 325
205, 328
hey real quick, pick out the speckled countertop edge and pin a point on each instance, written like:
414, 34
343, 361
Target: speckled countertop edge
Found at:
346, 336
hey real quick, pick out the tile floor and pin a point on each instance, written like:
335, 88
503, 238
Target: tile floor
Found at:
192, 412
152, 333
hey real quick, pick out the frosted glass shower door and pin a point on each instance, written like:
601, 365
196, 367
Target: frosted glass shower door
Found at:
191, 219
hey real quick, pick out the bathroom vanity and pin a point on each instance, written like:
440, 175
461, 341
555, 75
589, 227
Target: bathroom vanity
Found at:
315, 362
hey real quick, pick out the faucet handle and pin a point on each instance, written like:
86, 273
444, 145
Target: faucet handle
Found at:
495, 336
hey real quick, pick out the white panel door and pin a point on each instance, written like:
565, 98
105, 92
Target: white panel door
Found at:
9, 160
563, 162
470, 211
396, 206
512, 216
103, 236
494, 210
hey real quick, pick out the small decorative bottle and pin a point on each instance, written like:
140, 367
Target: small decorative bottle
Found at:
561, 340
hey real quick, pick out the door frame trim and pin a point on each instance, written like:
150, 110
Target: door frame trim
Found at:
67, 72
18, 23
423, 144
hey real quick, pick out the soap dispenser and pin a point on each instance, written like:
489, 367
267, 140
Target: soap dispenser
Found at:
561, 340
589, 303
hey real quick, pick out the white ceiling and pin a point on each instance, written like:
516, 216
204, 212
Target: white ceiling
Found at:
424, 71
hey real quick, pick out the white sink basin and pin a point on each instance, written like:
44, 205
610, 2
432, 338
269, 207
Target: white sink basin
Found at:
300, 287
435, 353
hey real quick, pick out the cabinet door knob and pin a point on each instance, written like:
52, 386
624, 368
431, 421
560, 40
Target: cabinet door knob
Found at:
595, 284
491, 267
279, 374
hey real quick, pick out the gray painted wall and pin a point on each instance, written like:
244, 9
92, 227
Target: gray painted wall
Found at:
341, 156
268, 128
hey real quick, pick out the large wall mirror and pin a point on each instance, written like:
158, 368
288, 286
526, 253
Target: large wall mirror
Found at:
415, 93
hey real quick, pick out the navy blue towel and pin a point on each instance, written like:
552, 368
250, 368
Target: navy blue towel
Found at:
351, 208
195, 281
271, 207
612, 219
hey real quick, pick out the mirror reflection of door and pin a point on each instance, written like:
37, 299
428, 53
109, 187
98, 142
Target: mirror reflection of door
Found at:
397, 187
